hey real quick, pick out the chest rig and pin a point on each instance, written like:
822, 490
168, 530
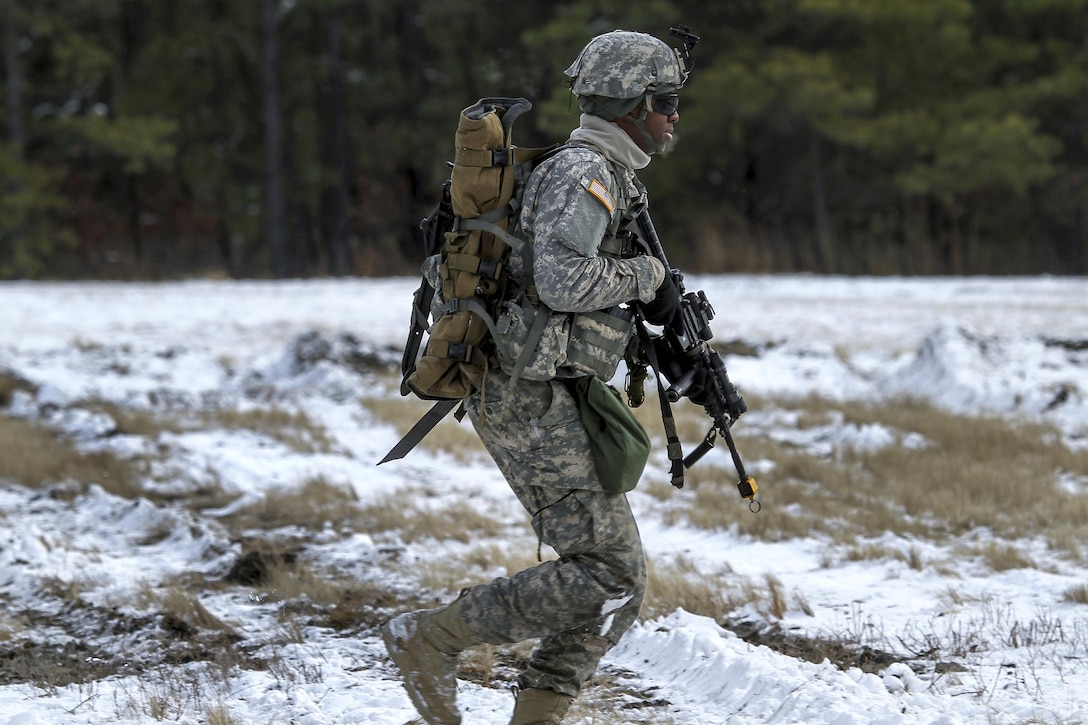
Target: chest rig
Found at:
537, 343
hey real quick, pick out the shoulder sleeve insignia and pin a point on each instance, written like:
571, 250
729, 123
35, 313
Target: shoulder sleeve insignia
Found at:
600, 193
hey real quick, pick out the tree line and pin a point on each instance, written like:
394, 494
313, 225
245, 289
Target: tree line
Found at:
278, 138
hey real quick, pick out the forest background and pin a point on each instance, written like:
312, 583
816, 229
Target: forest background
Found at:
146, 139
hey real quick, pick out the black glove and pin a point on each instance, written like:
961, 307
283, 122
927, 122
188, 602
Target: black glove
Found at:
700, 392
665, 306
674, 366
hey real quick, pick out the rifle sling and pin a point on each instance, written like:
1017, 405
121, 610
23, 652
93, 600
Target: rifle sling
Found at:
673, 445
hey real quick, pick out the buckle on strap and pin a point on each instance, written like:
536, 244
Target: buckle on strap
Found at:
460, 351
490, 268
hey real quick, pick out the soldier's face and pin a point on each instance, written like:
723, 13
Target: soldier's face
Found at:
660, 125
659, 121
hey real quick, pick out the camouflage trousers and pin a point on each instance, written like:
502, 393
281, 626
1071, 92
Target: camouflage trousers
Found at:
581, 604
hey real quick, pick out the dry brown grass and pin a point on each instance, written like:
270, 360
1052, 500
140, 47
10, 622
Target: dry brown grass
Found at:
313, 505
272, 572
494, 666
413, 519
33, 456
609, 699
10, 623
1077, 594
406, 515
912, 557
182, 611
1004, 557
978, 472
281, 576
295, 429
9, 383
218, 714
481, 563
457, 439
144, 423
680, 584
1069, 539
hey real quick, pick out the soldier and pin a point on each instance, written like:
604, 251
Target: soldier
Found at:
576, 204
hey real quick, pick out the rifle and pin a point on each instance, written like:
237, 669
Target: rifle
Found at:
694, 369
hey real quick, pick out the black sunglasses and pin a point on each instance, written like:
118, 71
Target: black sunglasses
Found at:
666, 105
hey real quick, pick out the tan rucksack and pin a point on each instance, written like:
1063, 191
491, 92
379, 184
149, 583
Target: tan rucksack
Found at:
482, 200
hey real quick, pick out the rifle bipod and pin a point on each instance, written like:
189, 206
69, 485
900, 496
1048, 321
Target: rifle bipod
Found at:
746, 484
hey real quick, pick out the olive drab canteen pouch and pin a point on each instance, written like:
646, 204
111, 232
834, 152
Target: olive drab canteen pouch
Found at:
481, 208
618, 441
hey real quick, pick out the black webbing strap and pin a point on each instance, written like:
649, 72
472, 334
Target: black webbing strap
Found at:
673, 445
421, 306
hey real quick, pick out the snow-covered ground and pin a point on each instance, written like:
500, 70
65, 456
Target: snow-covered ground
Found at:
1007, 346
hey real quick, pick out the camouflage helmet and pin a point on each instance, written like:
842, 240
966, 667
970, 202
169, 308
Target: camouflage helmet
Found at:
626, 64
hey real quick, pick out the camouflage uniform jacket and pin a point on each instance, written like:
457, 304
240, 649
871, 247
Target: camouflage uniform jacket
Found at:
573, 202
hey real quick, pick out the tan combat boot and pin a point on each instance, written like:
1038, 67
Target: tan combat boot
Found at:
540, 707
424, 646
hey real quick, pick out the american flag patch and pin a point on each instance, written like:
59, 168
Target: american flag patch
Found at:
600, 193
